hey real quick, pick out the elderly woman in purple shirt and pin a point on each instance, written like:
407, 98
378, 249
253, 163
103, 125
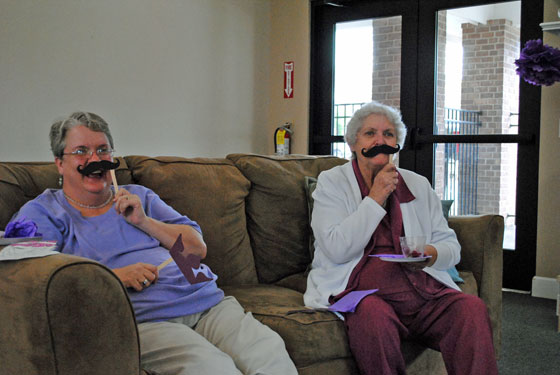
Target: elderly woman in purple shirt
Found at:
184, 328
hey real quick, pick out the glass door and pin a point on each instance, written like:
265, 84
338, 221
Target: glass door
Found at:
449, 67
479, 142
357, 50
367, 67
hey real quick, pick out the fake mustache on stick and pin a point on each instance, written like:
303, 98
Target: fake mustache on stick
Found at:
94, 166
382, 149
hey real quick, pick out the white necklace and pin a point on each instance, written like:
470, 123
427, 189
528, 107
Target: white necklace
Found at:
88, 206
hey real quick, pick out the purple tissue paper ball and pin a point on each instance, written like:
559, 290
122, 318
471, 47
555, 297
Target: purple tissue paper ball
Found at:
21, 228
539, 64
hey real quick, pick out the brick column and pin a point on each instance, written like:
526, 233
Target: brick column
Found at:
440, 103
489, 86
386, 76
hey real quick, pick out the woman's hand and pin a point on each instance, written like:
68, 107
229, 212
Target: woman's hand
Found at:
130, 207
138, 276
384, 183
428, 250
431, 251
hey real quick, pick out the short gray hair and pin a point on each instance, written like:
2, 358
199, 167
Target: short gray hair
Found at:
357, 121
90, 120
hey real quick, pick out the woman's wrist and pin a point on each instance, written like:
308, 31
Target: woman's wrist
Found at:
431, 251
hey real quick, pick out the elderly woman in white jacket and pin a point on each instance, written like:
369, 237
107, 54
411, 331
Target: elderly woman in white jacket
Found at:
361, 209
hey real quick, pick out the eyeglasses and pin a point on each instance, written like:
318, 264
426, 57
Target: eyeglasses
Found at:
86, 153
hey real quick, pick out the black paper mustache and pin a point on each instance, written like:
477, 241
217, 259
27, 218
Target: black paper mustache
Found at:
382, 149
94, 166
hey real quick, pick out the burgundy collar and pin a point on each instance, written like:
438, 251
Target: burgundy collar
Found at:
402, 193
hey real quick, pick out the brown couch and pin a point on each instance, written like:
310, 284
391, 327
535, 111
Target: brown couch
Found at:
68, 315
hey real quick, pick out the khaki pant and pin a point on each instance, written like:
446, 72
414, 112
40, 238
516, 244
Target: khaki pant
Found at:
222, 340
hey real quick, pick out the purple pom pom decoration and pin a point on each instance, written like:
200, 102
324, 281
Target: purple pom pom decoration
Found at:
539, 64
21, 228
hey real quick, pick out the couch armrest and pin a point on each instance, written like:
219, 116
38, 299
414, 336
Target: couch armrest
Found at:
481, 238
63, 314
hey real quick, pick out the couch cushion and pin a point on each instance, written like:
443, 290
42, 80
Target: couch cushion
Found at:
310, 185
21, 182
212, 192
277, 217
316, 338
297, 281
310, 337
469, 283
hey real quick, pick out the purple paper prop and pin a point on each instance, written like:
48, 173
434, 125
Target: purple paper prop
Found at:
539, 64
21, 228
349, 302
189, 264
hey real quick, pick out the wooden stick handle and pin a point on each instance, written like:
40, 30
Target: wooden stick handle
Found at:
165, 263
112, 172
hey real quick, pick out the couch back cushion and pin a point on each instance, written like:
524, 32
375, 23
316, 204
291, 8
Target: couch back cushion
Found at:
277, 213
212, 192
21, 182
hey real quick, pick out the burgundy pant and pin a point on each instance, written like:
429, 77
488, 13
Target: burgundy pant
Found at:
456, 324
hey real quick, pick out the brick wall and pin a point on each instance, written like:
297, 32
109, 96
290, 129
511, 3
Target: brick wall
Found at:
440, 103
386, 76
490, 86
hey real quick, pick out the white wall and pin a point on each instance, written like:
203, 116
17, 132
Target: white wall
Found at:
290, 41
172, 77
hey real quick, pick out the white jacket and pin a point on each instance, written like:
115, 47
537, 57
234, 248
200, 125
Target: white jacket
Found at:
343, 224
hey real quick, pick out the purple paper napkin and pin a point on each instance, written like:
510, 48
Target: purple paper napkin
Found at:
349, 302
387, 255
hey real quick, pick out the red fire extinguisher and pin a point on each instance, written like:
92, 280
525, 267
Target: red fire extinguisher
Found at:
282, 139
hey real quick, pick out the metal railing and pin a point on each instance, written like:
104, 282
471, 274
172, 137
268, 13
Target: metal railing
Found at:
461, 161
342, 114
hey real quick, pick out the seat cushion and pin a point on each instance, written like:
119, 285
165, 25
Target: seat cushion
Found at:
315, 339
310, 337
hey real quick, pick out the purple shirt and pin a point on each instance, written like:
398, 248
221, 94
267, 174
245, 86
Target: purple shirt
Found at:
110, 240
